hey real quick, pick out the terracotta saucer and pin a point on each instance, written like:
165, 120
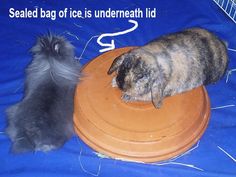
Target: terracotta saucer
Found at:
135, 131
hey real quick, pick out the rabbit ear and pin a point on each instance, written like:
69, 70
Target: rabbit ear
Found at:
157, 88
157, 95
116, 63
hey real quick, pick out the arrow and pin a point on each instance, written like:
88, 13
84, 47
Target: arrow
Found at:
110, 46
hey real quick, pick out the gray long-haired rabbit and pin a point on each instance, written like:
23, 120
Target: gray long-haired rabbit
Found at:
169, 65
43, 120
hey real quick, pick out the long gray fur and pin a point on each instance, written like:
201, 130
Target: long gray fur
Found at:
43, 120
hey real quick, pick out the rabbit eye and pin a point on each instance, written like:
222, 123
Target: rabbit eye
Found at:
140, 75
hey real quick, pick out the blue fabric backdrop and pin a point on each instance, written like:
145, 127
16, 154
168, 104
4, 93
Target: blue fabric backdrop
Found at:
77, 159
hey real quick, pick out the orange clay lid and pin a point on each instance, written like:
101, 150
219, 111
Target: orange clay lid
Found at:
135, 131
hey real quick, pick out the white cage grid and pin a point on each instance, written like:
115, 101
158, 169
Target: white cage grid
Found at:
229, 7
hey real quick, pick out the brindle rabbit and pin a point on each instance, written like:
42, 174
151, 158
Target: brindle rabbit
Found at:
170, 65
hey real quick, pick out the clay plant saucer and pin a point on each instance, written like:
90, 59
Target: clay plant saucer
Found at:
135, 131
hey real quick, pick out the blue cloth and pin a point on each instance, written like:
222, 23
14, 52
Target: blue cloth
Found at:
77, 159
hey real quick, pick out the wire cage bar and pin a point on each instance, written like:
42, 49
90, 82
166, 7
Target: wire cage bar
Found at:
229, 7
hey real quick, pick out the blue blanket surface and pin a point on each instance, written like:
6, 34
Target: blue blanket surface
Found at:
215, 153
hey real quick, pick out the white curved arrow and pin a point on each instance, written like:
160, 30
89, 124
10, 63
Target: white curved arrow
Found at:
110, 46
